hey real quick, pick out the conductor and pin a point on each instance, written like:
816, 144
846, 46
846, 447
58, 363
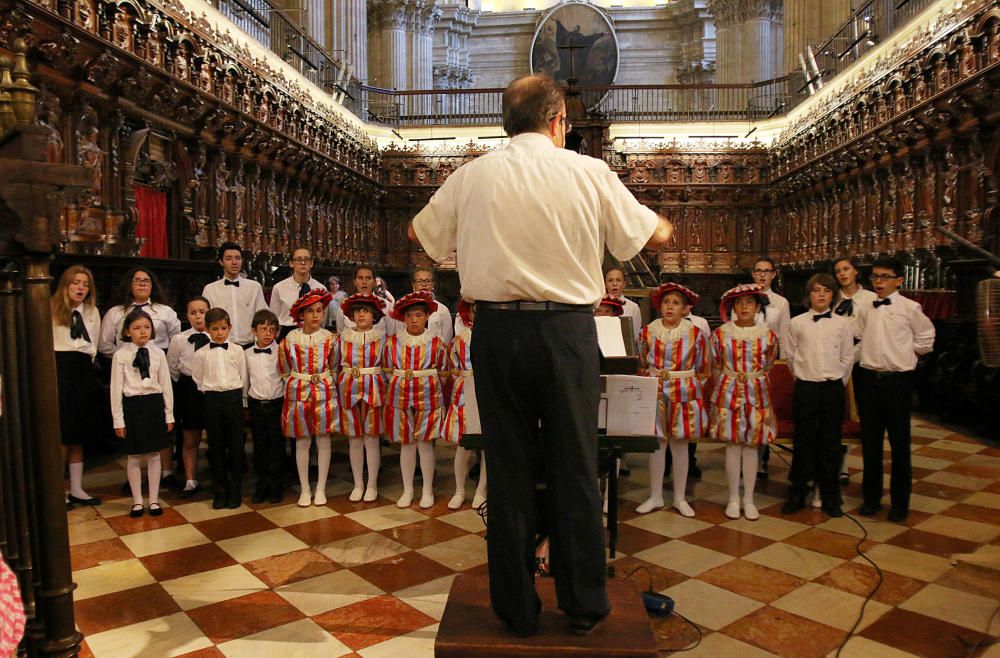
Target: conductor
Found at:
530, 224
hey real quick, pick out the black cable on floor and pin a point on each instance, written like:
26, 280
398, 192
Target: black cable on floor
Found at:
695, 626
881, 578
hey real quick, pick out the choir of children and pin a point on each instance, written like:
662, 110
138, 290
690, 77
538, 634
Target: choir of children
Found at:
411, 387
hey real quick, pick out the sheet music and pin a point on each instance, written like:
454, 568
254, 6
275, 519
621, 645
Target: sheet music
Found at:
609, 336
631, 405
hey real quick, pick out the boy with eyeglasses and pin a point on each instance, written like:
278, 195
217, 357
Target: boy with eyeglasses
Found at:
893, 331
287, 291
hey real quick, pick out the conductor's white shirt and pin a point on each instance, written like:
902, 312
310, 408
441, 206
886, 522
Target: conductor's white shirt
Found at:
530, 222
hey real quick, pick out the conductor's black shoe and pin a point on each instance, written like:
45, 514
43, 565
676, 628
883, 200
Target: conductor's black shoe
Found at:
219, 502
233, 502
833, 511
275, 497
259, 496
794, 504
90, 502
897, 515
869, 510
693, 471
580, 625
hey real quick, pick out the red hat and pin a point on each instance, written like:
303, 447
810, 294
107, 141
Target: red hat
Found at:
413, 299
657, 296
314, 296
742, 290
363, 299
465, 308
617, 306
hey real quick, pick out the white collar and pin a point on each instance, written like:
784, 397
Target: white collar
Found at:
745, 333
658, 330
408, 339
363, 337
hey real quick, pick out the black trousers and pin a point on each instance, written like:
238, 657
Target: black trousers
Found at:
541, 367
224, 426
819, 412
884, 401
268, 443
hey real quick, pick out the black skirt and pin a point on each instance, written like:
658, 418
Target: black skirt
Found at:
189, 404
83, 405
145, 424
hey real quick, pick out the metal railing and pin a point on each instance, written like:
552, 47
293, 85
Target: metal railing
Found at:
274, 27
617, 103
873, 22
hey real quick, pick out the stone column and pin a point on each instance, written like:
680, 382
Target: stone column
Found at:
757, 48
347, 34
807, 22
388, 47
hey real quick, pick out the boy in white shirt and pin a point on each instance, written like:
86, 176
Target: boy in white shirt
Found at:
265, 394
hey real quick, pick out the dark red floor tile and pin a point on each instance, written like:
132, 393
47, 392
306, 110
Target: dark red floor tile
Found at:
921, 635
186, 561
131, 606
280, 570
325, 531
244, 616
424, 533
401, 571
84, 556
234, 526
785, 634
728, 541
369, 622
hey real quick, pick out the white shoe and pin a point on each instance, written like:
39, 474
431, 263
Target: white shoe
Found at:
750, 512
356, 494
405, 500
371, 495
456, 501
320, 498
427, 501
305, 499
817, 501
649, 505
733, 510
478, 500
683, 508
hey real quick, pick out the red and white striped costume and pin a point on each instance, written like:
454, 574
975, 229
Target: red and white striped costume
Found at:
361, 381
679, 357
414, 405
308, 363
461, 367
741, 402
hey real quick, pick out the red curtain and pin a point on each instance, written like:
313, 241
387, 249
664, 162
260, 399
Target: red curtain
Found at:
152, 206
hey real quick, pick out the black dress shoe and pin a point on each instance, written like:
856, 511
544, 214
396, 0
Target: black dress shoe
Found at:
275, 497
580, 625
219, 502
898, 515
171, 482
90, 502
137, 511
794, 504
869, 510
155, 509
187, 493
233, 502
833, 511
259, 496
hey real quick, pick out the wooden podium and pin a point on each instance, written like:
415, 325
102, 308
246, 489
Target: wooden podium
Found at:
470, 629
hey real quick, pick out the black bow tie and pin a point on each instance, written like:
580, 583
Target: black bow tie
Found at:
224, 346
304, 289
822, 316
845, 307
198, 340
232, 283
882, 302
266, 350
142, 305
142, 362
77, 329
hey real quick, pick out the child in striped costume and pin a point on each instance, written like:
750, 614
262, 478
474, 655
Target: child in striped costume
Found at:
307, 360
415, 361
362, 388
676, 352
742, 353
454, 421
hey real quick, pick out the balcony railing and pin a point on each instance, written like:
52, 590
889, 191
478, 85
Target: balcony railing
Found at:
274, 27
873, 22
616, 103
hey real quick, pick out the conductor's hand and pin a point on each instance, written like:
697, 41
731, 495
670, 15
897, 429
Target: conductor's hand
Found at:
664, 229
120, 432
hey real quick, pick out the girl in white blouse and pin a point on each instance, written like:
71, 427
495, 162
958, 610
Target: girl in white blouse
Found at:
76, 324
139, 289
142, 405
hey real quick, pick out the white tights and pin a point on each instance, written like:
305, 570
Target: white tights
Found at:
408, 465
357, 448
133, 470
735, 453
678, 471
462, 457
323, 451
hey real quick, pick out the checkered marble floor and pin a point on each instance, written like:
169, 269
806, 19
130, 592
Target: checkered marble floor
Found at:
371, 580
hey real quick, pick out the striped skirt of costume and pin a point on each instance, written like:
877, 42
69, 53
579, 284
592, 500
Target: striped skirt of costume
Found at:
741, 402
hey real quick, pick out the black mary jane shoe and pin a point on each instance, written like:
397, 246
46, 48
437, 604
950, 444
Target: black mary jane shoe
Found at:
137, 511
187, 493
88, 502
155, 509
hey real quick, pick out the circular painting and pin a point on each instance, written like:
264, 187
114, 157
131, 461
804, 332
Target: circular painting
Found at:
576, 39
